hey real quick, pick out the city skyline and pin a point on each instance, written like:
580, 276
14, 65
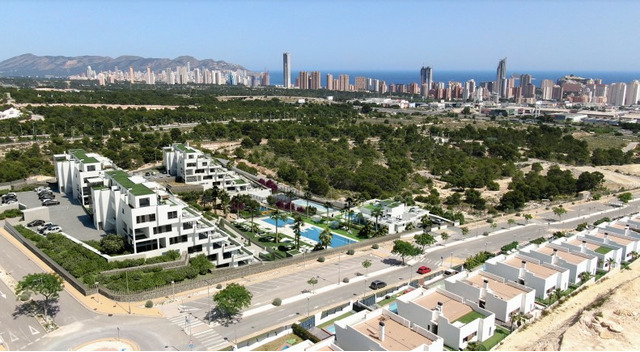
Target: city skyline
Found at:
255, 34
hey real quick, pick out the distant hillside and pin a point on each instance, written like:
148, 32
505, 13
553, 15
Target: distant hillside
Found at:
63, 66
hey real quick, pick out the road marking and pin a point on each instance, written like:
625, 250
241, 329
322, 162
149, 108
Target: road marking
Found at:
13, 337
3, 295
33, 330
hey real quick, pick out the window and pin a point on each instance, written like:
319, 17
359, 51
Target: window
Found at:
145, 202
172, 215
178, 239
145, 218
194, 249
161, 229
91, 168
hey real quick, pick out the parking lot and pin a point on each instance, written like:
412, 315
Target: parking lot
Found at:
69, 214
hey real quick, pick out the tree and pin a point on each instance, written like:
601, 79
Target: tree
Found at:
276, 216
365, 230
559, 211
348, 205
325, 237
625, 197
404, 249
45, 284
307, 197
634, 255
511, 222
224, 201
611, 262
584, 276
252, 207
290, 195
426, 222
366, 264
112, 244
424, 239
377, 213
232, 299
444, 236
297, 229
494, 225
557, 293
313, 281
327, 205
527, 217
201, 264
517, 319
465, 231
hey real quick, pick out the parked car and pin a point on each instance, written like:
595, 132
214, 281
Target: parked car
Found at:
47, 202
9, 201
41, 188
46, 195
44, 226
54, 228
424, 270
377, 284
286, 247
35, 223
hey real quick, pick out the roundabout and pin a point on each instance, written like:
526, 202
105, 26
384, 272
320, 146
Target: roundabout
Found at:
109, 344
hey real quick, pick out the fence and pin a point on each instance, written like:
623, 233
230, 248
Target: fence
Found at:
179, 263
50, 262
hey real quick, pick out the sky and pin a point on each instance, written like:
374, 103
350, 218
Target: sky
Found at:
336, 34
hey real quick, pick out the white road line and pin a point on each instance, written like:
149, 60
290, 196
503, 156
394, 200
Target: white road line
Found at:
13, 337
33, 330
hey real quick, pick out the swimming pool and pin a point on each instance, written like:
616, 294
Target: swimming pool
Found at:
394, 307
320, 208
331, 328
270, 221
313, 233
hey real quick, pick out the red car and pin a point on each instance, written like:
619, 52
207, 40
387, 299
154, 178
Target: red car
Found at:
424, 269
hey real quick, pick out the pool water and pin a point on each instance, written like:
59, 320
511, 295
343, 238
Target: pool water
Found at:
270, 221
321, 210
313, 233
331, 328
394, 307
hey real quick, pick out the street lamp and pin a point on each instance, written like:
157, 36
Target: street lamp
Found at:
451, 260
97, 292
128, 296
173, 290
118, 333
307, 306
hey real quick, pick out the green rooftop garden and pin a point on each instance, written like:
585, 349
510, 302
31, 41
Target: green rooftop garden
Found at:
123, 179
82, 156
469, 317
603, 250
183, 148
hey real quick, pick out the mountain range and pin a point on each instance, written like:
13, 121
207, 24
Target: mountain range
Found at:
64, 66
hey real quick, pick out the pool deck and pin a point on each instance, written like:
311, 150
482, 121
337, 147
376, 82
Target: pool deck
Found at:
288, 230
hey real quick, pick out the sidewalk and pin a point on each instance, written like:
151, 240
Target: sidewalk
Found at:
96, 303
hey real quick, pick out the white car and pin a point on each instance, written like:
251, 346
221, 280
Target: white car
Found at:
54, 228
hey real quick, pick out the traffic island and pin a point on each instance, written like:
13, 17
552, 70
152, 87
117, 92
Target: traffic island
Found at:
111, 344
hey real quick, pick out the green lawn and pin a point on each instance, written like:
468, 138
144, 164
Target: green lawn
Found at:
498, 336
384, 302
469, 317
328, 323
323, 225
603, 250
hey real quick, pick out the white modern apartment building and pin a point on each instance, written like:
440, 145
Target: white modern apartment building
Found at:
527, 271
382, 330
396, 216
77, 170
493, 293
447, 315
195, 167
555, 254
152, 221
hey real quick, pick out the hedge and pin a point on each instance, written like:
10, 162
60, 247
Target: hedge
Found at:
304, 334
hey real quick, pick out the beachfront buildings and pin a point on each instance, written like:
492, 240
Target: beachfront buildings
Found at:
194, 167
555, 254
447, 315
382, 330
395, 216
77, 170
493, 293
531, 272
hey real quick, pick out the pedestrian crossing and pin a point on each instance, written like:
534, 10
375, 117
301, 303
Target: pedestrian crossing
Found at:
202, 336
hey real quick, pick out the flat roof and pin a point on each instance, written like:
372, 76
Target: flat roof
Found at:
81, 155
451, 309
499, 288
186, 149
121, 177
567, 256
397, 336
535, 268
615, 239
591, 246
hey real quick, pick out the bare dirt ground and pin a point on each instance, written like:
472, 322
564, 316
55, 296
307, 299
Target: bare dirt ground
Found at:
570, 327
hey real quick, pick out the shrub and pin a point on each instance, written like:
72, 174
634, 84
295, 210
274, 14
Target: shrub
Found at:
24, 296
506, 248
375, 246
219, 286
345, 280
351, 252
148, 304
304, 334
277, 302
321, 259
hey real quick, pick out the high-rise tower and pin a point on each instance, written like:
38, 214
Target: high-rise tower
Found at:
426, 79
501, 79
286, 68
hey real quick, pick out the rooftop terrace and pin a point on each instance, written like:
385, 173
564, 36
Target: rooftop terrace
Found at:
121, 177
451, 309
398, 337
498, 288
81, 155
535, 268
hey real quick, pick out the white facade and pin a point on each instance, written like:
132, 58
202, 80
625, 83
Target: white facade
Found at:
627, 244
554, 254
493, 293
527, 271
77, 171
153, 222
194, 167
10, 113
382, 330
604, 252
396, 216
439, 312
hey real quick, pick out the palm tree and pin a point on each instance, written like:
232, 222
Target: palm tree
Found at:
634, 255
224, 201
325, 237
290, 195
253, 227
307, 197
277, 215
377, 213
349, 203
557, 293
584, 276
252, 207
327, 205
297, 228
611, 262
215, 193
517, 319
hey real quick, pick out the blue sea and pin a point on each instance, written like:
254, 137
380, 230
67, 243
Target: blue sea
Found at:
406, 77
